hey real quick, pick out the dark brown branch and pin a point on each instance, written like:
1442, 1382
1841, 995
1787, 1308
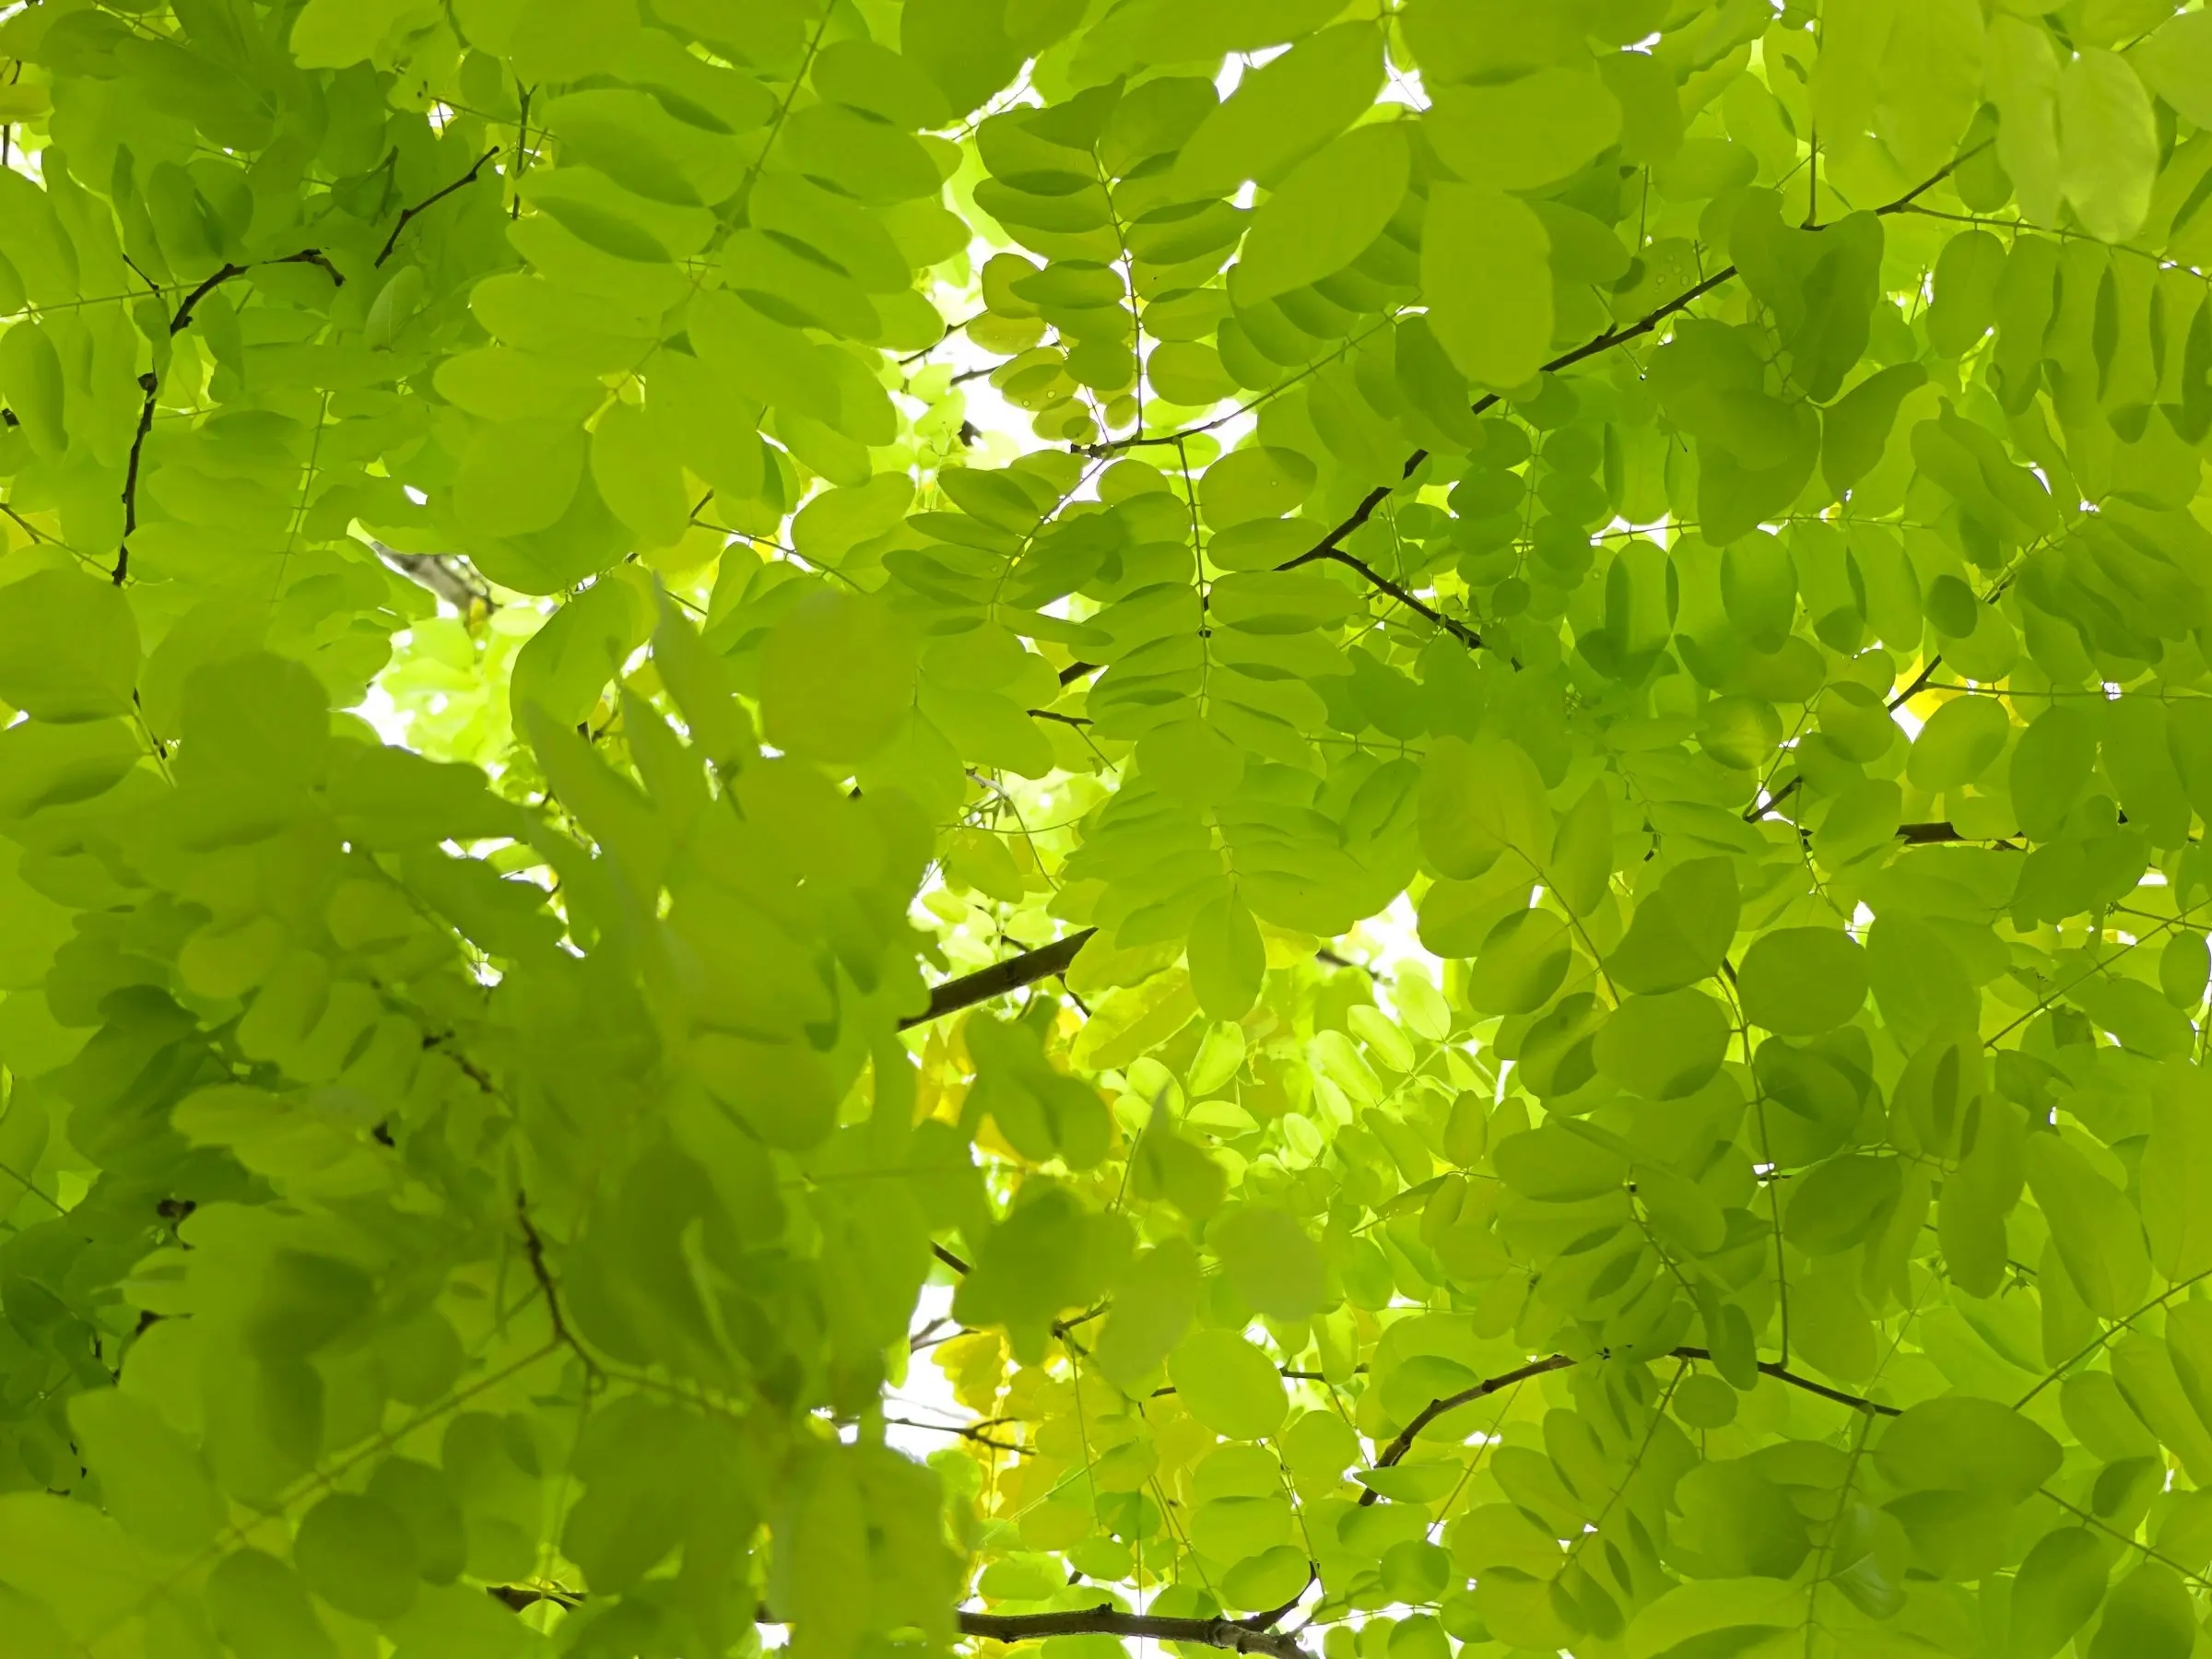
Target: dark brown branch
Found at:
535, 1247
1919, 684
1235, 1636
1072, 719
971, 1432
1920, 834
1000, 978
1427, 1414
445, 574
1254, 1635
1458, 630
178, 323
314, 256
150, 384
1075, 671
946, 1257
1759, 810
950, 329
1326, 547
1782, 1373
431, 200
520, 1596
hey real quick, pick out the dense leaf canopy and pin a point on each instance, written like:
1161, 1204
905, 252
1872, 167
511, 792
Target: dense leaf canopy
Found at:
1324, 828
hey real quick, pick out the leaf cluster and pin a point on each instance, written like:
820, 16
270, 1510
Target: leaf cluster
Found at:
1298, 826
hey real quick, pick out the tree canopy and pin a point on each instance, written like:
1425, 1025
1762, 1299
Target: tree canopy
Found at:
1331, 829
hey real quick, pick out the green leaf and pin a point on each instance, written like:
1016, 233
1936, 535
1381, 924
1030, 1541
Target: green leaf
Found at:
1282, 111
357, 1555
2050, 767
1665, 1046
1267, 1580
1800, 981
1521, 964
1581, 855
1956, 1442
1273, 1264
1918, 982
1737, 1524
1965, 305
1856, 428
1228, 959
43, 766
1254, 483
1552, 1162
1520, 134
1478, 801
1840, 1202
634, 464
149, 1477
1486, 270
837, 677
2057, 1588
1959, 743
1326, 213
2107, 143
1152, 1307
261, 1611
776, 366
2177, 1174
569, 662
2096, 1232
1228, 1385
517, 477
1682, 929
1050, 1257
68, 647
2175, 61
2149, 1615
77, 1562
32, 384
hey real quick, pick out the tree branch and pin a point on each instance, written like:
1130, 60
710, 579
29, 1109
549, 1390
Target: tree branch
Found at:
1458, 630
1782, 1373
1000, 978
1427, 1414
535, 1248
1236, 1636
150, 384
1912, 690
431, 200
445, 574
1326, 547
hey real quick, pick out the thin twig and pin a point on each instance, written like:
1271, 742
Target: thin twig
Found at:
535, 1248
431, 200
1403, 1443
150, 384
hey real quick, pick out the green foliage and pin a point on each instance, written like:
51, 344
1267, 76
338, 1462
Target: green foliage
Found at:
956, 820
